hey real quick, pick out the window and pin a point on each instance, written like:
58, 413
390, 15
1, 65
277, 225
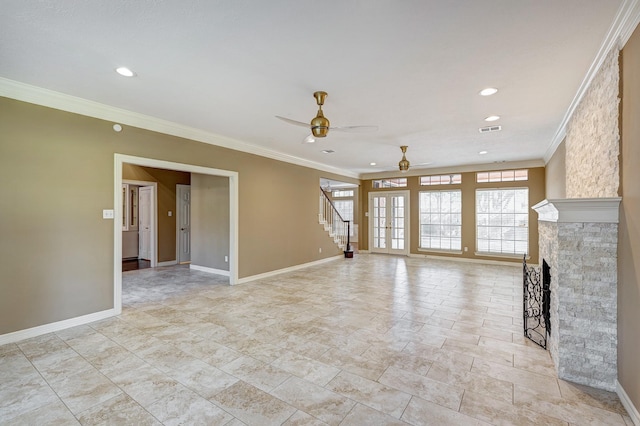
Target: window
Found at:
441, 220
441, 180
390, 183
342, 193
345, 209
503, 176
502, 221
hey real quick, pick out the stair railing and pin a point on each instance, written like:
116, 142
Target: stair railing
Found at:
337, 227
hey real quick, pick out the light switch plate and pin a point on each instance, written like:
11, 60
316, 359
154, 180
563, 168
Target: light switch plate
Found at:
107, 214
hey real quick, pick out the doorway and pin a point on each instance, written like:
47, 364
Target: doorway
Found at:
232, 176
139, 229
389, 222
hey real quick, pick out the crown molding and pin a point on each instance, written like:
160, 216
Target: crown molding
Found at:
624, 23
36, 95
485, 167
579, 210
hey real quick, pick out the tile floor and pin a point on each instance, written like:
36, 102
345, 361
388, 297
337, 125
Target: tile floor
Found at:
374, 340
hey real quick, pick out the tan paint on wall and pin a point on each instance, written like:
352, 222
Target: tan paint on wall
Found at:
629, 227
167, 181
555, 174
57, 170
210, 221
536, 185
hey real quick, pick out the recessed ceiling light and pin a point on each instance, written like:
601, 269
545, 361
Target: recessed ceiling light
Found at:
373, 164
488, 91
492, 118
328, 151
126, 72
483, 152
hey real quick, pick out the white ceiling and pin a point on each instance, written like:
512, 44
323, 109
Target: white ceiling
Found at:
414, 68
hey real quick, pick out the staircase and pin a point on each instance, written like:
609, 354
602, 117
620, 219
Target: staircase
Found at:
338, 228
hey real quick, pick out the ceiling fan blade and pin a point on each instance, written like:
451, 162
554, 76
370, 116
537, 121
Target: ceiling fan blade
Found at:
294, 122
355, 129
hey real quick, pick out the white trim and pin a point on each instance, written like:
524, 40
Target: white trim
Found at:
168, 263
628, 405
579, 210
54, 326
625, 21
49, 98
208, 270
119, 160
466, 259
289, 269
484, 167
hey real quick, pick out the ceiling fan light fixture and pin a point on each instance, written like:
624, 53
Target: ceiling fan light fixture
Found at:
403, 165
320, 124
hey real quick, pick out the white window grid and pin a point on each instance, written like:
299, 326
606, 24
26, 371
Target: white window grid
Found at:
345, 209
454, 179
390, 183
342, 193
441, 220
502, 221
503, 176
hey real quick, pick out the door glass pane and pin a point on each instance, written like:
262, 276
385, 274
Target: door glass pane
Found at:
379, 222
397, 214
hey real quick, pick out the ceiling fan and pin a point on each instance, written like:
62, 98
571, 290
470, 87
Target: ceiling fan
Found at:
320, 125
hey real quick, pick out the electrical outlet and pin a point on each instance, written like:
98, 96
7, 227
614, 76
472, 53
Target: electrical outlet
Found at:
466, 249
319, 249
226, 258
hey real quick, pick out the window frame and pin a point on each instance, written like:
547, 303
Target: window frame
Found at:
457, 250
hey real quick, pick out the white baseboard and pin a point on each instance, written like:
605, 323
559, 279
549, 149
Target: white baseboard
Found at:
289, 269
628, 405
464, 259
209, 270
55, 326
168, 263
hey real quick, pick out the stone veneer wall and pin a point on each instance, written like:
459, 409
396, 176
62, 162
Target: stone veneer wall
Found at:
583, 341
593, 138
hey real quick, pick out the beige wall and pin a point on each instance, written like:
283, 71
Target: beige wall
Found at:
210, 221
555, 174
57, 175
536, 185
167, 181
629, 228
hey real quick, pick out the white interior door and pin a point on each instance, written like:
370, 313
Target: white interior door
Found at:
145, 222
183, 222
389, 222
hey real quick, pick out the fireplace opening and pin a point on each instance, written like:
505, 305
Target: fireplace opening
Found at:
536, 302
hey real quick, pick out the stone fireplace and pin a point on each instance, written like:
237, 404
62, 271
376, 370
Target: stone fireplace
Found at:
578, 238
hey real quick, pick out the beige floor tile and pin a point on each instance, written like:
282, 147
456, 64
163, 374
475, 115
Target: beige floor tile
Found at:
85, 389
255, 372
146, 384
363, 415
536, 381
315, 400
120, 409
188, 408
300, 418
253, 406
423, 387
202, 378
496, 411
440, 330
425, 413
372, 394
306, 368
53, 414
471, 381
566, 409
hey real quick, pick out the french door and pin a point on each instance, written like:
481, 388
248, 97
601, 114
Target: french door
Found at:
389, 222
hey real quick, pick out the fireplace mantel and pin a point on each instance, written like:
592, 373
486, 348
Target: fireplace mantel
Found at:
579, 210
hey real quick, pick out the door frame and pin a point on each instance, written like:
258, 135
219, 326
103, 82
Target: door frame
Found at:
154, 218
119, 160
178, 216
407, 233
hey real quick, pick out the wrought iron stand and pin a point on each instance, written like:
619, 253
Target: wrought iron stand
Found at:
536, 302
